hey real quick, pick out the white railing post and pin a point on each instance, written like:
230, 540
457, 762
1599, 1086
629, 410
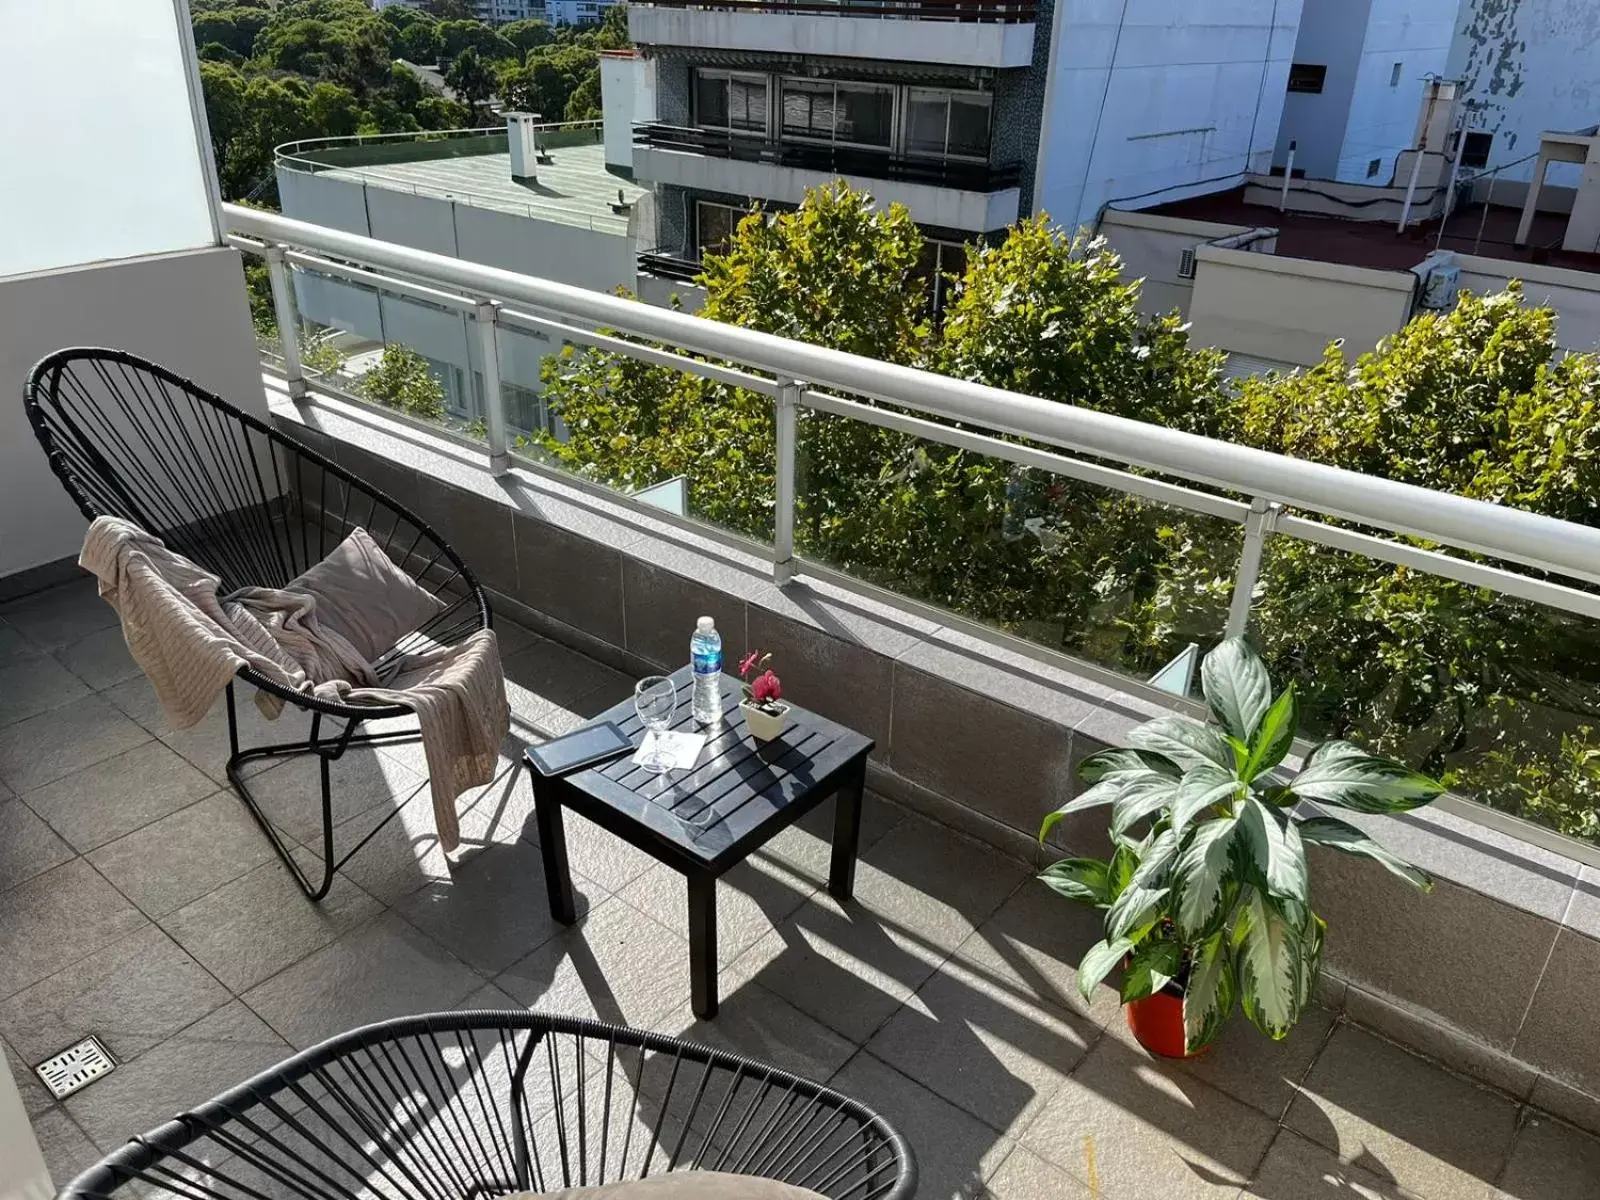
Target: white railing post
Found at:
1256, 527
486, 315
288, 317
787, 412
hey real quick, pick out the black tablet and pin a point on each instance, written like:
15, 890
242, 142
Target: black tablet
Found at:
579, 749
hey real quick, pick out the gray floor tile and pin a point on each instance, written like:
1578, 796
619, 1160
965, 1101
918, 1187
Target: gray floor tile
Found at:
14, 647
67, 1149
208, 1057
205, 743
42, 749
249, 930
562, 676
384, 968
955, 1151
1551, 1161
600, 855
183, 856
402, 856
762, 1025
973, 1040
60, 615
493, 910
35, 1099
35, 685
55, 919
1141, 1131
133, 995
28, 847
806, 847
752, 900
1404, 1117
112, 798
501, 810
361, 781
101, 659
1026, 1176
1296, 1169
615, 964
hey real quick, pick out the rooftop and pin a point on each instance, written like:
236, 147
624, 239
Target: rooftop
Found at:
138, 901
1376, 244
574, 188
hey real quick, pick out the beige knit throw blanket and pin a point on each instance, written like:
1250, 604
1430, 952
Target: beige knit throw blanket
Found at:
191, 642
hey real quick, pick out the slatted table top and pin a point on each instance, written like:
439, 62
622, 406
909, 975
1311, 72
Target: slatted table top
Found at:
739, 794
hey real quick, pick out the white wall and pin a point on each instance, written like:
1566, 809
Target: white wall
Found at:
188, 311
1331, 35
1533, 65
627, 95
1383, 118
1159, 99
1150, 246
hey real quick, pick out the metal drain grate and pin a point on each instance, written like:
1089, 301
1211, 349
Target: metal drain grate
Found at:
76, 1067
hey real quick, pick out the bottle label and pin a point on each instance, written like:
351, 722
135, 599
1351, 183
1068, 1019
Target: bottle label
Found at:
707, 662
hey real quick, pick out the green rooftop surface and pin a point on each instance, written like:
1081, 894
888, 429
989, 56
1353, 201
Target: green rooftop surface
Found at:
574, 189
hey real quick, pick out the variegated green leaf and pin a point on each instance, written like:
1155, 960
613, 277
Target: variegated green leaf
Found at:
1339, 835
1150, 969
1274, 847
1211, 990
1157, 862
1081, 879
1274, 736
1185, 741
1344, 774
1124, 761
1198, 877
1202, 788
1237, 688
1141, 799
1124, 862
1268, 954
1105, 792
1098, 962
1132, 914
1310, 957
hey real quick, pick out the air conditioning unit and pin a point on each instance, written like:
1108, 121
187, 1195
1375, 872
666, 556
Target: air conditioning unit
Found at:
1186, 264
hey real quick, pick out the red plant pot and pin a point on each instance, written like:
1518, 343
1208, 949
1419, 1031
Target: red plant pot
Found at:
1157, 1023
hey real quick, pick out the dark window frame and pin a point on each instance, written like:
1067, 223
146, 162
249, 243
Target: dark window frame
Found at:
1308, 78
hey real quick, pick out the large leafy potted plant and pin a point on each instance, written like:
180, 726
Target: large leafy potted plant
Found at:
1206, 894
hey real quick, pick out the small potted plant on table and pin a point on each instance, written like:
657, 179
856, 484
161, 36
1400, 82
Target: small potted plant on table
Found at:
1206, 894
763, 705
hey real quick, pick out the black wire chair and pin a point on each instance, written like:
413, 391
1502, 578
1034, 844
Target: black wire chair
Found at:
131, 439
480, 1104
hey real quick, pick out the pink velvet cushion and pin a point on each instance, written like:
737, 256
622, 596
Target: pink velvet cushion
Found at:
685, 1185
363, 596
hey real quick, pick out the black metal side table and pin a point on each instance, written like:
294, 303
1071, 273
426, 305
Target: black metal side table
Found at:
740, 794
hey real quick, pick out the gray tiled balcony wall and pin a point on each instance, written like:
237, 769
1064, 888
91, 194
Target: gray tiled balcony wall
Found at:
1493, 971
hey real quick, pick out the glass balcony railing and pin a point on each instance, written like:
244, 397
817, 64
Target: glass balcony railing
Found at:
834, 160
1118, 544
913, 10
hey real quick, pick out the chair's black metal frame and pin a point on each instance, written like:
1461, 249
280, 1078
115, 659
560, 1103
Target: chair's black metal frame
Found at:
129, 438
452, 1106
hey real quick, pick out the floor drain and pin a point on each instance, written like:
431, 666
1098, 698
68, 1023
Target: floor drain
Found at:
76, 1067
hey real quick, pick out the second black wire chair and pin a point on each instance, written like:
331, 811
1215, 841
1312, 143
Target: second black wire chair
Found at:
131, 439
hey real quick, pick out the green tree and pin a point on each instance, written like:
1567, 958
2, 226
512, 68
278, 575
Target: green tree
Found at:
417, 41
438, 112
527, 35
584, 103
235, 28
456, 36
403, 380
470, 79
450, 10
333, 110
613, 33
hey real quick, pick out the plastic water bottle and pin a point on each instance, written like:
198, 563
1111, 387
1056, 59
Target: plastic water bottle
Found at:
705, 656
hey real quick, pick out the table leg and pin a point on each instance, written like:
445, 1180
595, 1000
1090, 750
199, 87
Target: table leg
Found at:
847, 834
703, 944
553, 846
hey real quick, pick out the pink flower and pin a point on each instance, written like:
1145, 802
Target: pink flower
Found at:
748, 661
765, 688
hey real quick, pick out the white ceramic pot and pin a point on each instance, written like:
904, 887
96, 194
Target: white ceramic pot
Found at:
763, 725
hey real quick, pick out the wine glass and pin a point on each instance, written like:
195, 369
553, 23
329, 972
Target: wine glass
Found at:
654, 699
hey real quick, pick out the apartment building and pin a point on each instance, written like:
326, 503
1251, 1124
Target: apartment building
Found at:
971, 113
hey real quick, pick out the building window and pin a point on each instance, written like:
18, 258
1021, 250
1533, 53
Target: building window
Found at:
1308, 78
856, 114
947, 124
524, 408
723, 100
938, 261
1374, 167
1475, 151
1394, 75
714, 225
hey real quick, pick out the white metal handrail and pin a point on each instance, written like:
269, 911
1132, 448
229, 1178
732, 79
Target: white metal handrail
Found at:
1506, 534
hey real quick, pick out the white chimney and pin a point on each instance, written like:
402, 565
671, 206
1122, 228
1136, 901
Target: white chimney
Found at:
522, 132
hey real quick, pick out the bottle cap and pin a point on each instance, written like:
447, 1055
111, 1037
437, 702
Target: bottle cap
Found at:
705, 625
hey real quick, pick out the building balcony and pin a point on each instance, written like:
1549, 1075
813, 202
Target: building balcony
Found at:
968, 33
975, 197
